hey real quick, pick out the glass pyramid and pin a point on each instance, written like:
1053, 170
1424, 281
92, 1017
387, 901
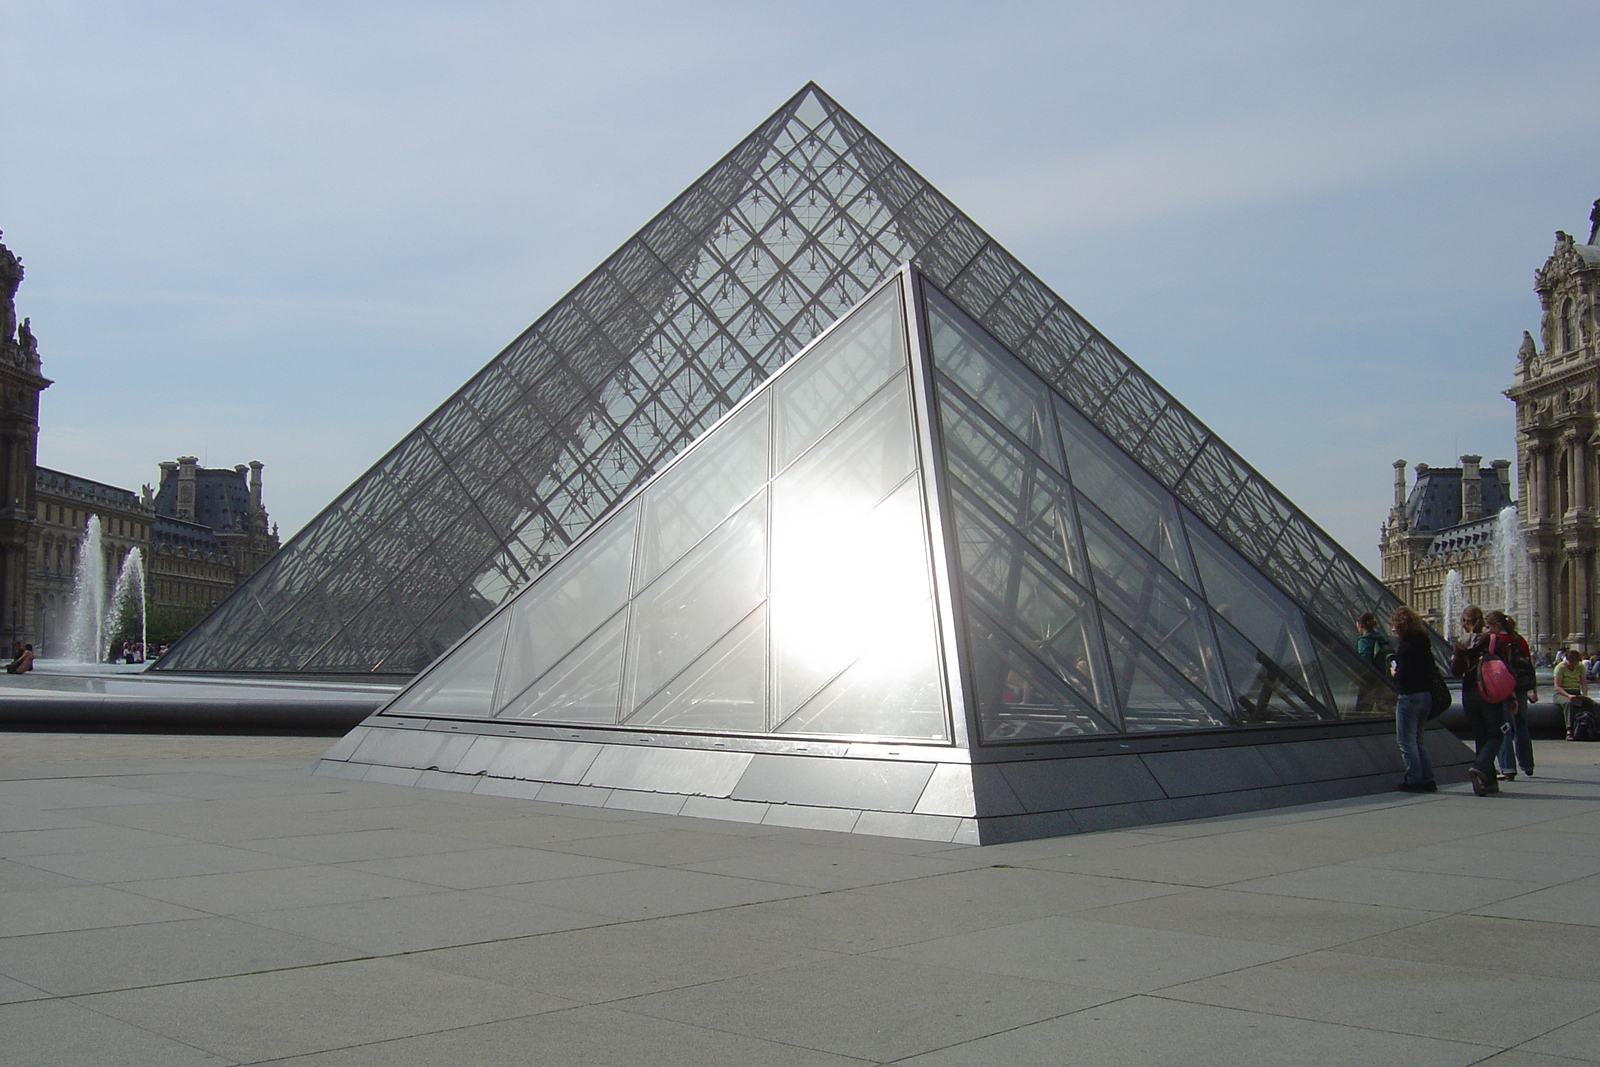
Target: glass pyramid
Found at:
905, 535
776, 241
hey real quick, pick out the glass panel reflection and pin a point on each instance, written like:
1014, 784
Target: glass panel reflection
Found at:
702, 489
1026, 494
1122, 489
697, 601
572, 598
1018, 699
1042, 611
1154, 696
991, 375
583, 687
837, 375
1152, 602
462, 684
723, 690
1263, 691
1358, 690
1254, 606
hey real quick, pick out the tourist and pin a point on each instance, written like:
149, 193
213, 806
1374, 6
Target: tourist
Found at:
1485, 718
1375, 694
1413, 678
1572, 687
1516, 749
23, 663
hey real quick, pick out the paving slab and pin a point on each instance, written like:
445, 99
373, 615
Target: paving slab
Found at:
622, 960
1275, 920
1153, 1032
159, 953
55, 1033
1483, 1004
1092, 954
591, 1035
313, 1009
915, 1008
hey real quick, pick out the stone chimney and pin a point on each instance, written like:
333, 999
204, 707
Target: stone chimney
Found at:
1400, 485
187, 466
258, 514
1502, 470
1471, 489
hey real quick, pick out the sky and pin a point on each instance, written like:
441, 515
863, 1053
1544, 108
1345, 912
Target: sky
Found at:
288, 231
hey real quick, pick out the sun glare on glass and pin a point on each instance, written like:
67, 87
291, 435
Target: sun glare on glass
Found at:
849, 580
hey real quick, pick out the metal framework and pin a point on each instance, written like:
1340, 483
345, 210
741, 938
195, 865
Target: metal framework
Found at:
776, 241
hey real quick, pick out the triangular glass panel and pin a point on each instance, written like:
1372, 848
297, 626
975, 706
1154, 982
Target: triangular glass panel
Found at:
583, 687
724, 691
1154, 697
1124, 491
463, 684
576, 595
1255, 607
697, 601
1019, 699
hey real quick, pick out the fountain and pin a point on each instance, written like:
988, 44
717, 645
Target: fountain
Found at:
97, 618
1508, 566
1455, 598
127, 596
84, 641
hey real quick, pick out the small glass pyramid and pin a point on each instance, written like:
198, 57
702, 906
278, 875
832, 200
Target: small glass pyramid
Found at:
905, 535
782, 236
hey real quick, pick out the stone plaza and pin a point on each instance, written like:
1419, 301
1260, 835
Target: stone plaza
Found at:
204, 900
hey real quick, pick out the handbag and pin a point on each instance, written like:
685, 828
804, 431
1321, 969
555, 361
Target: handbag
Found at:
1441, 696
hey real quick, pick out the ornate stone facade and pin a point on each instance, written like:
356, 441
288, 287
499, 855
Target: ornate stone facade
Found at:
1444, 523
1558, 444
20, 385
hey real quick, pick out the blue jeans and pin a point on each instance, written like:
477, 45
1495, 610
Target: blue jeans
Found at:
1517, 748
1485, 719
1410, 720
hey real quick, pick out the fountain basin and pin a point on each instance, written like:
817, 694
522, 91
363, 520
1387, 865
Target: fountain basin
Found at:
133, 700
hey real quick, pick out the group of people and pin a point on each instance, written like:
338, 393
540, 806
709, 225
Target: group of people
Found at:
1502, 743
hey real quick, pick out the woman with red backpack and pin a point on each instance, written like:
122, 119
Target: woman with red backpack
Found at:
1487, 717
1516, 750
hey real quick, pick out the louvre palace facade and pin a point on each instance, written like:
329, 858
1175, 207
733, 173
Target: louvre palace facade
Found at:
1445, 522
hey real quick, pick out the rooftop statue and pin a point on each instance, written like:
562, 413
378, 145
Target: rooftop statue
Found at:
10, 278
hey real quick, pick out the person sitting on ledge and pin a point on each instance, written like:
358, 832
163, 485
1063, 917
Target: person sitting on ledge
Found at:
23, 663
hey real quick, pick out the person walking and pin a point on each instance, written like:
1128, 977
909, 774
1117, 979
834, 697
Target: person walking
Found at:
1486, 719
1572, 686
1413, 679
1516, 749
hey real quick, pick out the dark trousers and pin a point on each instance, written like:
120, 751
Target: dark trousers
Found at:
1486, 719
